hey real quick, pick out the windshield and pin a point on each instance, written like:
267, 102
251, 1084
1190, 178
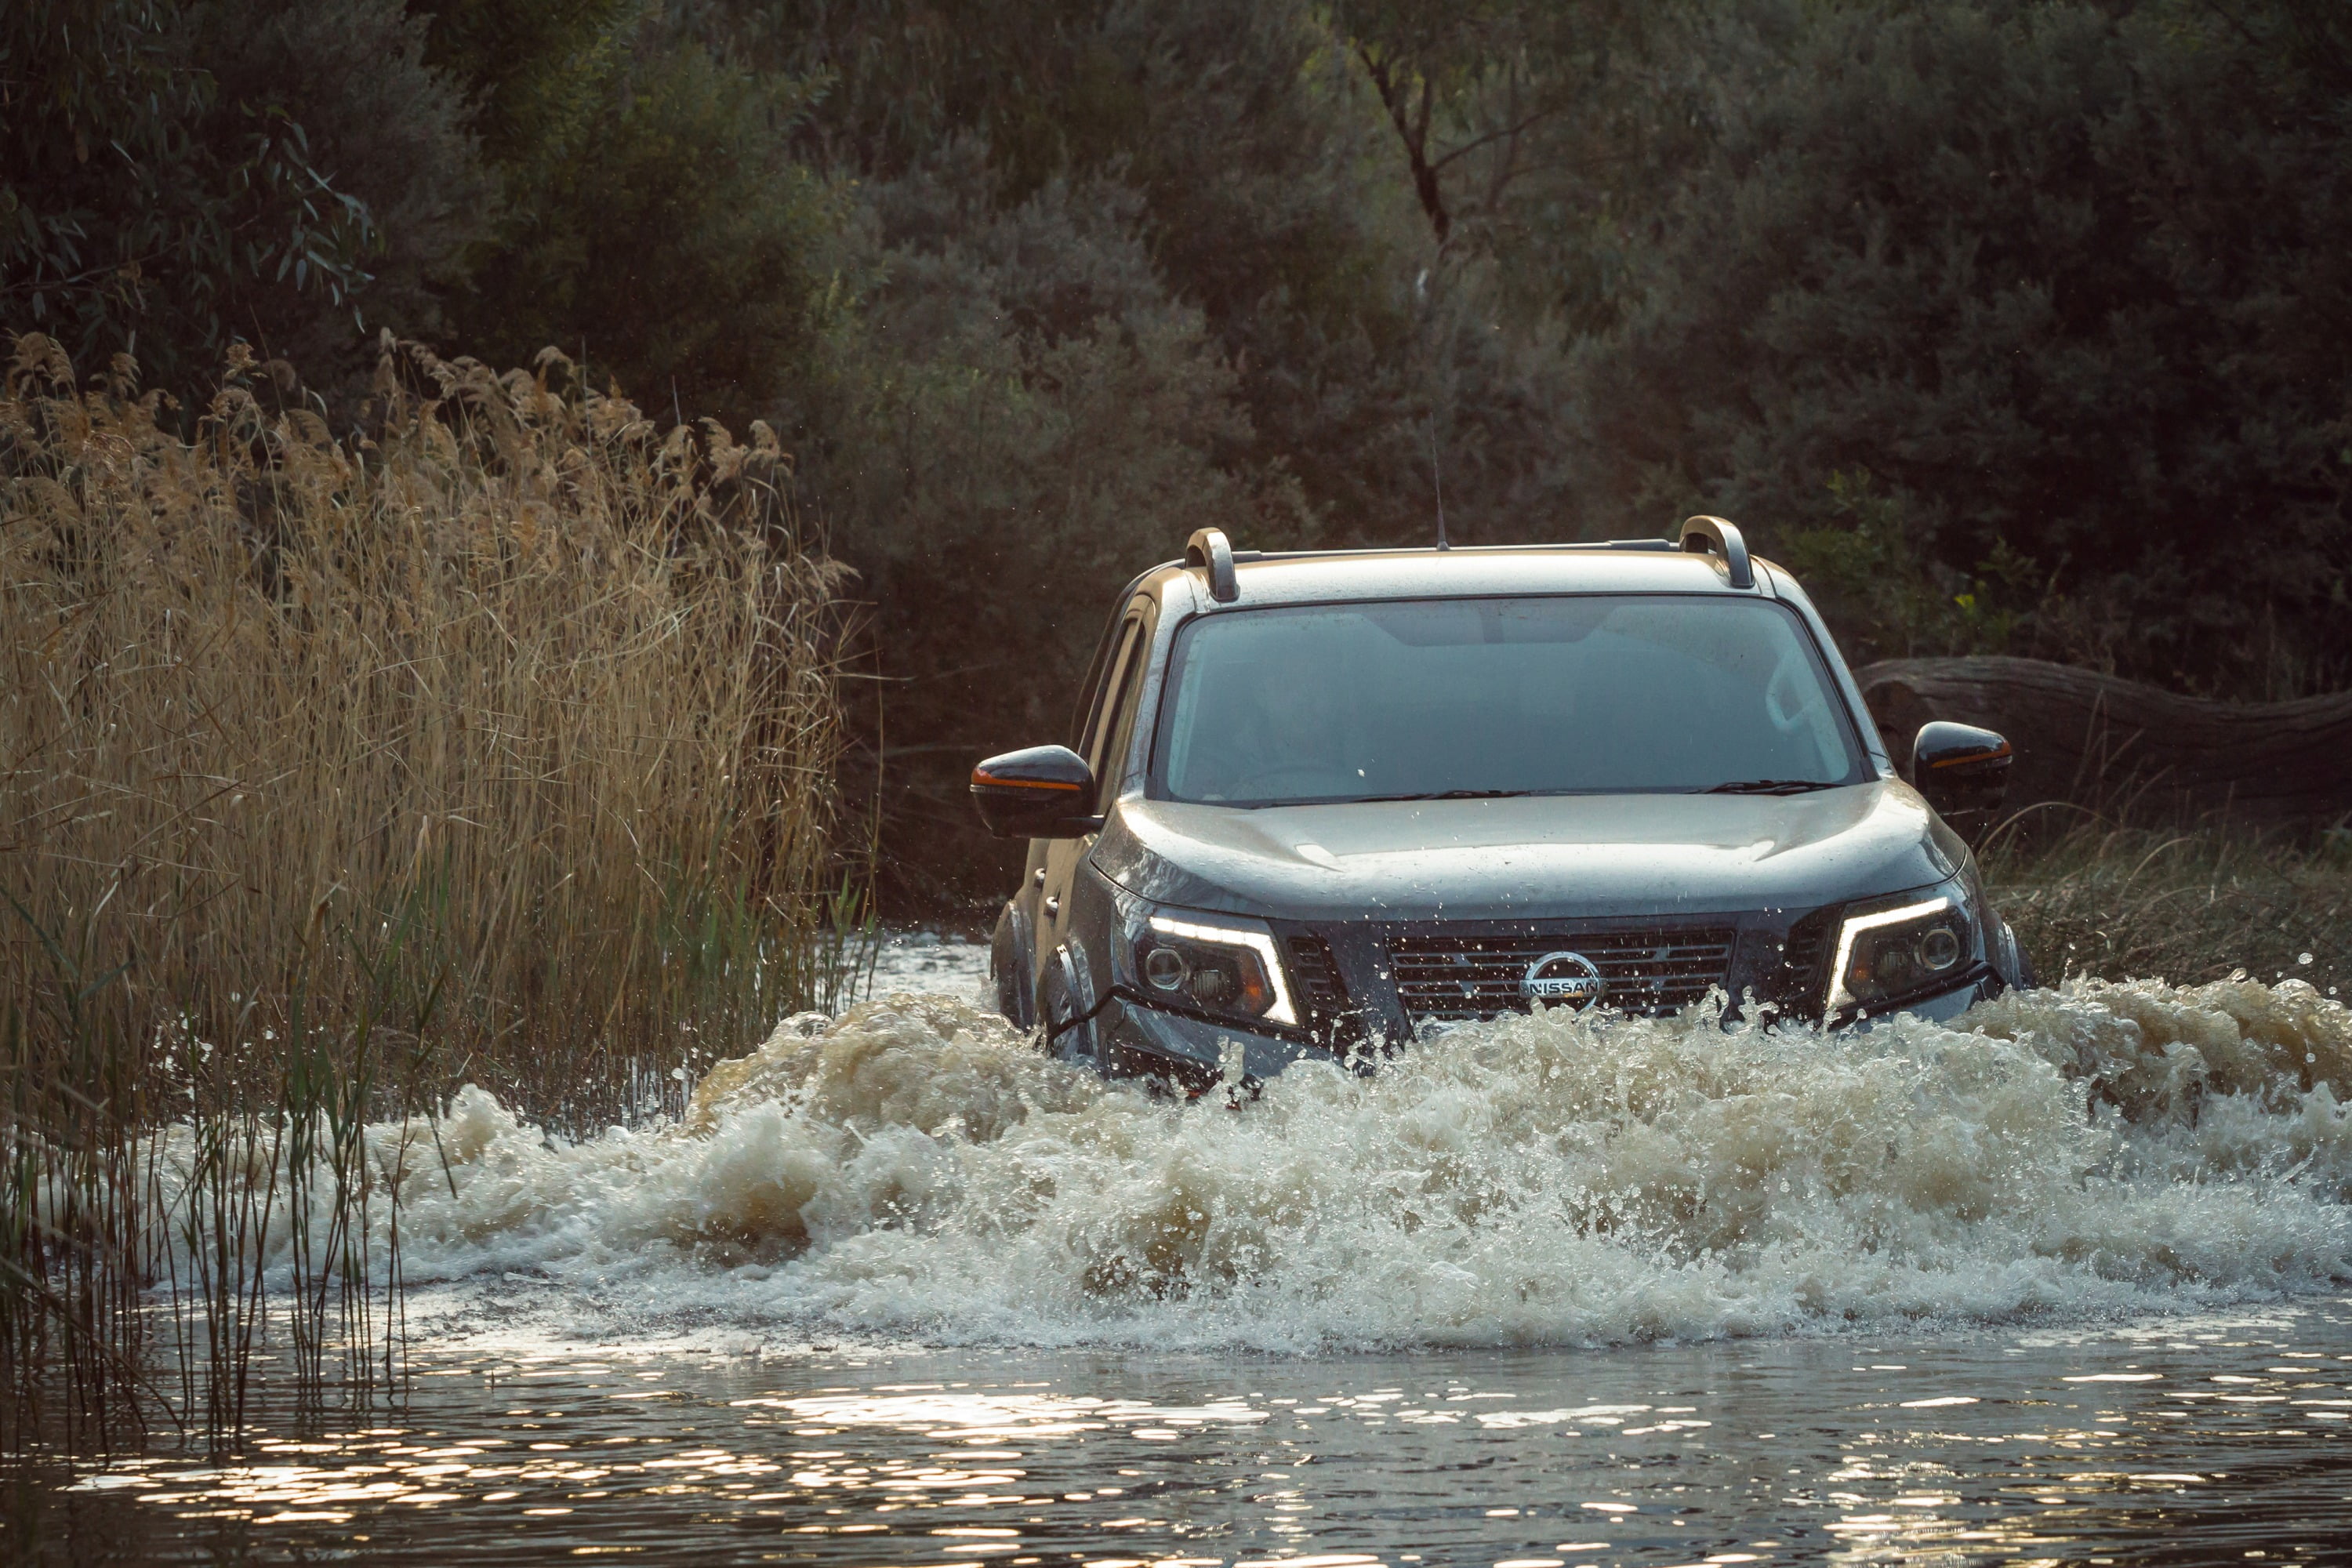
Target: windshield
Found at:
1593, 694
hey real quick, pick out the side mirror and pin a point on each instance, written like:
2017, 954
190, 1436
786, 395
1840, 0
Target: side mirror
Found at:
1044, 792
1963, 771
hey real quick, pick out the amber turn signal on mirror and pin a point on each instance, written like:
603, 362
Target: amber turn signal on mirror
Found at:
1043, 791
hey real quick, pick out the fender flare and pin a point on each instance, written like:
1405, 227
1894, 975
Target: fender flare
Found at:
2011, 962
1012, 964
1065, 1011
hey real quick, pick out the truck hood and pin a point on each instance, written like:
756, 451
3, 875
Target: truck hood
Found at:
1554, 857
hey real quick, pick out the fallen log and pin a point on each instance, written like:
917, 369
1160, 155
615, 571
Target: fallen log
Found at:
2121, 747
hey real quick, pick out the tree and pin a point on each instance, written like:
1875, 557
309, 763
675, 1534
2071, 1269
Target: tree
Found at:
666, 230
1014, 420
2060, 282
137, 205
381, 125
1470, 89
536, 70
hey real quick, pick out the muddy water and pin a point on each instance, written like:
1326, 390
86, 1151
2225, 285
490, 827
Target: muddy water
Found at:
2066, 1283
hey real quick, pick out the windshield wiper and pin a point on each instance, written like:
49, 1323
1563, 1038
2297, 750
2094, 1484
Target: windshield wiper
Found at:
1768, 786
1448, 795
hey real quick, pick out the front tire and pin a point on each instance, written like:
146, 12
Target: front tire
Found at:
1070, 1036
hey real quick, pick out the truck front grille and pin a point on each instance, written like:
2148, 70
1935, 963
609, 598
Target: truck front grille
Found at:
1646, 969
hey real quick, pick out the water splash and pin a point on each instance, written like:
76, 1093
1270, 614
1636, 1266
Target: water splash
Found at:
916, 1169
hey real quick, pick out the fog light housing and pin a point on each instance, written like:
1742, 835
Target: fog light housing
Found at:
1165, 968
1212, 986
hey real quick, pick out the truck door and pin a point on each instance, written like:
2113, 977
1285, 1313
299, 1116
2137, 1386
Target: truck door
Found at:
1109, 720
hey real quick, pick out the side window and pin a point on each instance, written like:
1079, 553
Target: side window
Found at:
1118, 686
1118, 727
1099, 671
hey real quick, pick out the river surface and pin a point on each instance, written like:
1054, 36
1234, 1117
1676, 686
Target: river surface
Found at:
2070, 1282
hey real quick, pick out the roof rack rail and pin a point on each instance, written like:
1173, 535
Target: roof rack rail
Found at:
1703, 534
1209, 548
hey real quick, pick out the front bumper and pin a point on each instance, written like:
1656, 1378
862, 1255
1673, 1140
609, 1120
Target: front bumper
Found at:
1193, 1055
1941, 1008
1139, 1040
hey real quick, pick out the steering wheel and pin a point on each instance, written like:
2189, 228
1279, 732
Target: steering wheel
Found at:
1776, 706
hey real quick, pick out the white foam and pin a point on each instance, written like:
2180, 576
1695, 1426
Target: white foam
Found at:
917, 1170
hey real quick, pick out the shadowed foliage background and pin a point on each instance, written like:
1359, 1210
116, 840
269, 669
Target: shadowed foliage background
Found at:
2019, 326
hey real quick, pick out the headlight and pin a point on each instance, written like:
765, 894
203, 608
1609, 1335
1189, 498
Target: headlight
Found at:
1206, 965
1888, 955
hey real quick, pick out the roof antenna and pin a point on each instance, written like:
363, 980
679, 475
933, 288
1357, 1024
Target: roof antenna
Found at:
1438, 479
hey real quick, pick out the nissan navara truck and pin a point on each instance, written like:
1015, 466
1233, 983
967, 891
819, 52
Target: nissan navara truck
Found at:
1317, 803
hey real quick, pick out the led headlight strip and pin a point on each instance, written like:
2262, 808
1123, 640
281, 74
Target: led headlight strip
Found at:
1839, 994
1257, 942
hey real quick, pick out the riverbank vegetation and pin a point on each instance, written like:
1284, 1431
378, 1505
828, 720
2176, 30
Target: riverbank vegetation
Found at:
495, 743
2187, 904
1997, 319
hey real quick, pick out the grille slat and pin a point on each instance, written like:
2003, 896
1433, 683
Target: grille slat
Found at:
1317, 973
1645, 971
1322, 991
1798, 984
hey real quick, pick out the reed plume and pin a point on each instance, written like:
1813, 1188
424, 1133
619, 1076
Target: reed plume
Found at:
492, 743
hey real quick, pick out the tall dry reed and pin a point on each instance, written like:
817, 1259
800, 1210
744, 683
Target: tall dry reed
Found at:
494, 745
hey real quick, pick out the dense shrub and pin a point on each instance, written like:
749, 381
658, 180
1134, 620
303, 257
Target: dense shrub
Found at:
666, 234
2059, 283
184, 172
1021, 420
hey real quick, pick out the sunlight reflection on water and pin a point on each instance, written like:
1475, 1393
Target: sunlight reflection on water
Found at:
2175, 1439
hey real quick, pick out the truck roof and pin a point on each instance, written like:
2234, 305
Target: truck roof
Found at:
1618, 566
